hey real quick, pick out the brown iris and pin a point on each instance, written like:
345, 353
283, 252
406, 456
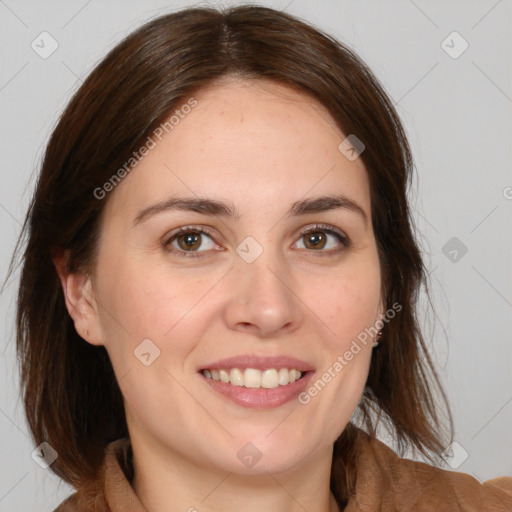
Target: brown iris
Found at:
192, 240
317, 239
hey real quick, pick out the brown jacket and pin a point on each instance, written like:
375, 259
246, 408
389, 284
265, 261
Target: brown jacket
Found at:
385, 483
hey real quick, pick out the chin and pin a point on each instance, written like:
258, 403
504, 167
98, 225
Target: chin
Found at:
265, 453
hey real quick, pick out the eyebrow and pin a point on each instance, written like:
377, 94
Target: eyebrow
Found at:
213, 207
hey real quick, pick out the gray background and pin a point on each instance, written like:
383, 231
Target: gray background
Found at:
457, 113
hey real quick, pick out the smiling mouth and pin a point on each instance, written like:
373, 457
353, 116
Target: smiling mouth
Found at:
254, 378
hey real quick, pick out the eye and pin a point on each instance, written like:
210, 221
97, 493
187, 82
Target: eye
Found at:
317, 239
188, 240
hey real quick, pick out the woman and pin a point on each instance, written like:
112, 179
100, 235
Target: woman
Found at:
217, 301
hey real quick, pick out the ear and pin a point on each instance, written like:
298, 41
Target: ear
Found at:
80, 302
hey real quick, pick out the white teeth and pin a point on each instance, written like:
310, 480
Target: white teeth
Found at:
284, 377
236, 377
269, 379
254, 378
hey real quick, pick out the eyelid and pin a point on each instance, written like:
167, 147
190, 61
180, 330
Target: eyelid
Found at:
182, 230
343, 237
339, 234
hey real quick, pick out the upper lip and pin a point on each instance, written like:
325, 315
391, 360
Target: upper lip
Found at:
259, 363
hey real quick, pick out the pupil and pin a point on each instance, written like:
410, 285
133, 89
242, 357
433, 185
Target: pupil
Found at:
316, 238
190, 240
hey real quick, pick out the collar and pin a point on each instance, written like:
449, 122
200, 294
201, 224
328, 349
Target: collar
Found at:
385, 483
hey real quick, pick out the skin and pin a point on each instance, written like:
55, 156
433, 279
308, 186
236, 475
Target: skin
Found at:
262, 147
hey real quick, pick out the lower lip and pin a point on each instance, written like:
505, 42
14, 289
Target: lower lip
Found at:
260, 398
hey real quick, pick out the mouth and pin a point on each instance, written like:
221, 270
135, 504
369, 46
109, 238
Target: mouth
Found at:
254, 378
258, 382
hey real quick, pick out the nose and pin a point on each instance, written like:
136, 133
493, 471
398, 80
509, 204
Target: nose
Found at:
263, 301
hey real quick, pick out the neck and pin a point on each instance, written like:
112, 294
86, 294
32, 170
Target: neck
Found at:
166, 481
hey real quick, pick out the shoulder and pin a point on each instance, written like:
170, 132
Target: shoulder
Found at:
387, 482
95, 495
84, 501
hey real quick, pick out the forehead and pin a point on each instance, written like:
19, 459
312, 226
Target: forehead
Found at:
257, 143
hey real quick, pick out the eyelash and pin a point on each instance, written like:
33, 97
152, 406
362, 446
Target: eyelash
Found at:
203, 231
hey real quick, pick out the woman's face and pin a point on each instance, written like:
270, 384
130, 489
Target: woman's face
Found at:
254, 286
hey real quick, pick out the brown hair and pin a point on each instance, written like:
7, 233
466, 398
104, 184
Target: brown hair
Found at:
71, 396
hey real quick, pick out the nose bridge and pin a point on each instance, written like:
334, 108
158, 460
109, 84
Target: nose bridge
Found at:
262, 298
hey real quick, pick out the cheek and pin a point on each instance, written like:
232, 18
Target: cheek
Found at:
139, 303
149, 297
348, 301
